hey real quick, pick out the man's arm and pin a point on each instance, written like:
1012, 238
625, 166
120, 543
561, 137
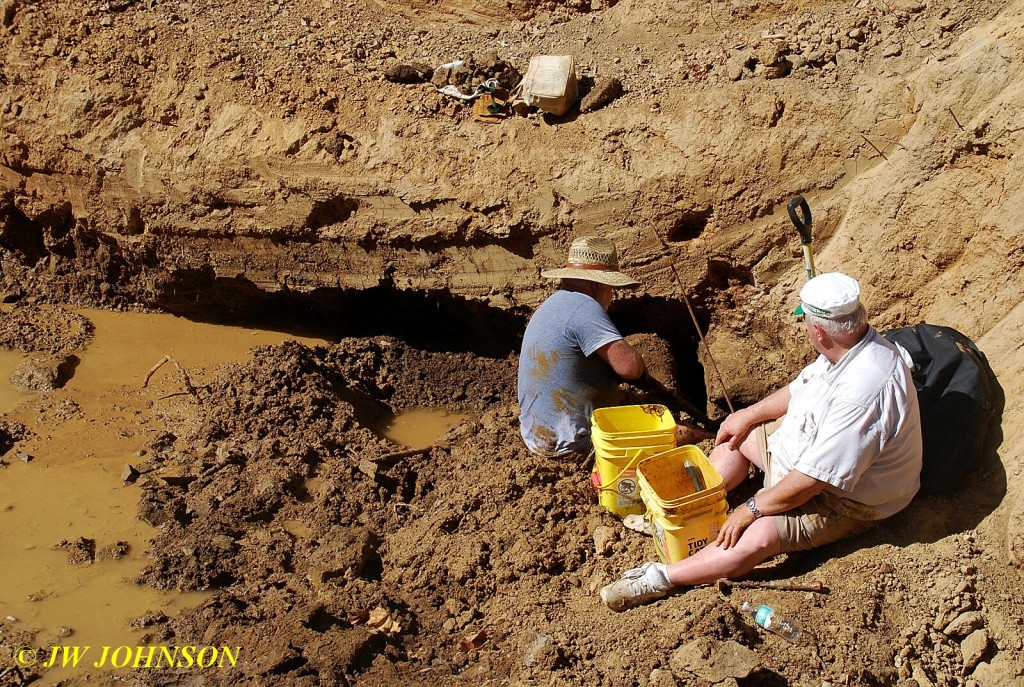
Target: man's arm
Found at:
737, 426
793, 490
623, 358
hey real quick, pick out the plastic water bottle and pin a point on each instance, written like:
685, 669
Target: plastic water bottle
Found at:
766, 617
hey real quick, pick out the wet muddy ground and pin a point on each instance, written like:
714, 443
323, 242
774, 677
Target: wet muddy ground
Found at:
72, 542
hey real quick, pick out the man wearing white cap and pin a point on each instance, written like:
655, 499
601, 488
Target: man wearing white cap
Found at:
846, 454
572, 352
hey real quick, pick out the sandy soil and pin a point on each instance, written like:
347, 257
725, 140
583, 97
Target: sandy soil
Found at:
223, 161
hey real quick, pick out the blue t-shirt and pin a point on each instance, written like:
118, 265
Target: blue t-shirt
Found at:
561, 379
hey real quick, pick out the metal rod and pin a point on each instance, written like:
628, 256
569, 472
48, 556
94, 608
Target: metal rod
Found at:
814, 586
707, 349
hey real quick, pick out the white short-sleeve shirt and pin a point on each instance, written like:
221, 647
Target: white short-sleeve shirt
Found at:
855, 425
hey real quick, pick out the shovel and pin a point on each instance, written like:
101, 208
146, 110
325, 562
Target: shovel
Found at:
802, 222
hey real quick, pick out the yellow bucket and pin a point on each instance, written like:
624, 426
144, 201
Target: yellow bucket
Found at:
623, 421
683, 521
665, 477
699, 527
620, 446
622, 437
615, 478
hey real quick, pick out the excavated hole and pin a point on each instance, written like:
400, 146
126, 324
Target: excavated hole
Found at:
433, 321
690, 225
428, 320
671, 321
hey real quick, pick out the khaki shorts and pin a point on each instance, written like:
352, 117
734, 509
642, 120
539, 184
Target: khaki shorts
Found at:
818, 522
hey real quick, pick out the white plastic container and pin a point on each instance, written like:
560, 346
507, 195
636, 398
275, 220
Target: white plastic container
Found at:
550, 83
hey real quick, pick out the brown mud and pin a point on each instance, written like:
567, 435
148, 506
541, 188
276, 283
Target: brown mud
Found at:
233, 162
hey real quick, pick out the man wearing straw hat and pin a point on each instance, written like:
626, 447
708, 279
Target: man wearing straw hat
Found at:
846, 454
573, 355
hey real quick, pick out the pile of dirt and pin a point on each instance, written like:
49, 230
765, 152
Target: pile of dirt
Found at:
44, 329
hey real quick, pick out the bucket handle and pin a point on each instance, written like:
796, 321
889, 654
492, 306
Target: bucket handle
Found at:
629, 466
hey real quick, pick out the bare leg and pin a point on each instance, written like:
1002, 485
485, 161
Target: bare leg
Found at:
733, 465
759, 542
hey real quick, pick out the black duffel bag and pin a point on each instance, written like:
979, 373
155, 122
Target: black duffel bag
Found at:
959, 396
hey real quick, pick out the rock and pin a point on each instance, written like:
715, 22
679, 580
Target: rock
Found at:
662, 678
736, 65
81, 550
441, 77
892, 50
342, 551
406, 73
541, 652
25, 457
113, 552
713, 660
796, 61
772, 53
1003, 670
603, 93
130, 474
964, 624
846, 57
919, 678
974, 648
44, 373
604, 538
908, 6
224, 543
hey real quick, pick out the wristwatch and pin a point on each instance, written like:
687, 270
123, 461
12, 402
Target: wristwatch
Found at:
752, 506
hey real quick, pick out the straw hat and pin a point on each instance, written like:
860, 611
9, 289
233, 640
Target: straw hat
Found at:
592, 258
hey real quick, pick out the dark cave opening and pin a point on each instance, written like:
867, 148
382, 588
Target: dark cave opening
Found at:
427, 320
436, 321
670, 320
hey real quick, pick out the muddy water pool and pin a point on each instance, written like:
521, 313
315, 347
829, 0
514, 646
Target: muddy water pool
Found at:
419, 427
84, 434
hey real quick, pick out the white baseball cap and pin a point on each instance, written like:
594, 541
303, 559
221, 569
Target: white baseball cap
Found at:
829, 295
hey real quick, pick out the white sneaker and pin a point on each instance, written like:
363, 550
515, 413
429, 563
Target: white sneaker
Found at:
637, 587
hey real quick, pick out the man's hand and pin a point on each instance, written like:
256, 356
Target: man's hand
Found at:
738, 521
734, 430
